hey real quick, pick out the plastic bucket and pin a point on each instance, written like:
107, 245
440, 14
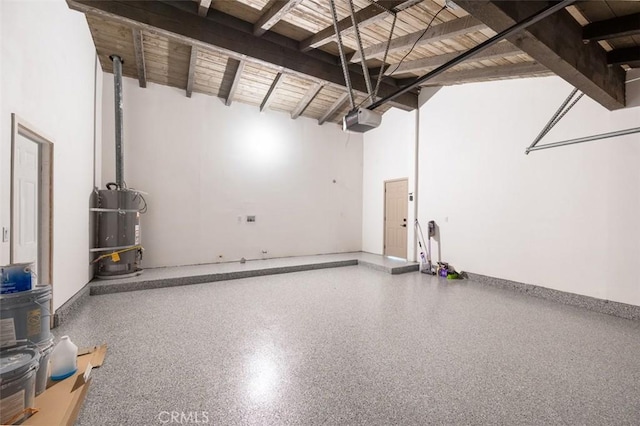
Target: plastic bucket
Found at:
43, 372
16, 278
18, 367
25, 316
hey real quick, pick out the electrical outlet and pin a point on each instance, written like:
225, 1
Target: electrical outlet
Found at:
5, 234
251, 218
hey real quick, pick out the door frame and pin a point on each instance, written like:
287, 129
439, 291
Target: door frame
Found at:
384, 215
45, 196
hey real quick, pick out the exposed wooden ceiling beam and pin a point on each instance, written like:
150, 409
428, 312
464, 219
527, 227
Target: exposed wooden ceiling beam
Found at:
556, 42
306, 100
498, 51
611, 28
628, 56
192, 70
138, 47
483, 74
203, 7
364, 17
405, 4
277, 11
446, 30
234, 85
277, 81
232, 37
339, 103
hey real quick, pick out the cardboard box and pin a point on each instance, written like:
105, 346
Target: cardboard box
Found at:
61, 402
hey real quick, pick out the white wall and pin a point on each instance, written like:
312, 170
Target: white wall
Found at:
47, 79
4, 163
388, 154
564, 218
205, 165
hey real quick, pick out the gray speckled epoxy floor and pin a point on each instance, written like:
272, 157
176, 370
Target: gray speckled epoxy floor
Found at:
353, 345
196, 274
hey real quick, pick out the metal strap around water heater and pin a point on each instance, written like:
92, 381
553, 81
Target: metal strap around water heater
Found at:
101, 210
99, 249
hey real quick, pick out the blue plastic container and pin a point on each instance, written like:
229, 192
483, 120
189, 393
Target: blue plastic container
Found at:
16, 278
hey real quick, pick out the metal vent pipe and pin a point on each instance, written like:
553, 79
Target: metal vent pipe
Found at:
117, 88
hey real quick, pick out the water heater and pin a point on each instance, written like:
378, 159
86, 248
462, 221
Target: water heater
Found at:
118, 238
118, 232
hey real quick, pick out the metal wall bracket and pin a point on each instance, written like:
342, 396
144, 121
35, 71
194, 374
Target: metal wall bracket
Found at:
558, 115
586, 139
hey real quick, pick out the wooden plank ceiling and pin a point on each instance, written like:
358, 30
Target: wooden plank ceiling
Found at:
283, 55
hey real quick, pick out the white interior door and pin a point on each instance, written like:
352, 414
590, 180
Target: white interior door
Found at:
395, 218
25, 201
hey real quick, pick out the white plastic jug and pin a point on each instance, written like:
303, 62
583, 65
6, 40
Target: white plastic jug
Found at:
63, 359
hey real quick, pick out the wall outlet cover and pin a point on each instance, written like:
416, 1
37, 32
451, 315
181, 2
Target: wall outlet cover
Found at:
5, 234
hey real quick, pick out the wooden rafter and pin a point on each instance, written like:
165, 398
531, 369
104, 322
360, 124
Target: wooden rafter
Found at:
277, 81
138, 47
234, 85
406, 4
339, 103
203, 7
232, 37
275, 13
622, 26
306, 100
556, 42
192, 70
446, 30
628, 56
364, 17
488, 73
498, 51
